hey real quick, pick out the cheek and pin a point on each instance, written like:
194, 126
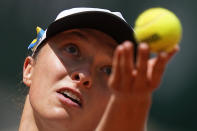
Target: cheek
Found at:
97, 102
101, 90
47, 72
101, 80
49, 68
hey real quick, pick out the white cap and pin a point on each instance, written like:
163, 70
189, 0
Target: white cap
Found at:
111, 23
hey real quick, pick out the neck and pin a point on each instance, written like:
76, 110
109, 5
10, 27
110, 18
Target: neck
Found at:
27, 120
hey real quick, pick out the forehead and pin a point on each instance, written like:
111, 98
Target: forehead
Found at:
92, 36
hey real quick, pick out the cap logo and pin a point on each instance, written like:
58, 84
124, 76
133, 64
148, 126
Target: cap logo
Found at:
40, 33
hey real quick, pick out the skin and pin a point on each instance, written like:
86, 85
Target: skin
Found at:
129, 87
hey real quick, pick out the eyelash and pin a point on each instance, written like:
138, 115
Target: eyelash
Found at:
69, 48
108, 72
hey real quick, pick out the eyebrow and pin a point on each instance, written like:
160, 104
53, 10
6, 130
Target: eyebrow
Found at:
78, 34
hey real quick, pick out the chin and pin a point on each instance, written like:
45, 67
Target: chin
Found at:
56, 113
57, 118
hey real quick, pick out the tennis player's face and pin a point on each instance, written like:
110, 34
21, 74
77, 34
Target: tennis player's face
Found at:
69, 81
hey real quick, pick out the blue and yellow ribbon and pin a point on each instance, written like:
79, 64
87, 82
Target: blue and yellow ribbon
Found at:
40, 33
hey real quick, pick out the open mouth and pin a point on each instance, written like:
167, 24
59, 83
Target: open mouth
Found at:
72, 96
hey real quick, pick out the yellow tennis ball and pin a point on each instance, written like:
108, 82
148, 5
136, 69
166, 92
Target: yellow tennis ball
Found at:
158, 27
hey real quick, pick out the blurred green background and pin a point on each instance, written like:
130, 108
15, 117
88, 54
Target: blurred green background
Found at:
174, 107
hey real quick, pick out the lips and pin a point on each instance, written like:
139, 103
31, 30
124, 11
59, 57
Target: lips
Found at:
70, 96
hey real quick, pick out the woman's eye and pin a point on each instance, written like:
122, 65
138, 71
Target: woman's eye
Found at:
107, 69
72, 49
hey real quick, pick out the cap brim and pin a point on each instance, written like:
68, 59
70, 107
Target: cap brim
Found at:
108, 23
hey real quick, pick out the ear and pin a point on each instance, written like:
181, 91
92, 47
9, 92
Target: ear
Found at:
27, 71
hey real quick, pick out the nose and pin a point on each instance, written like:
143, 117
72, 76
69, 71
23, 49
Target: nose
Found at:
82, 78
